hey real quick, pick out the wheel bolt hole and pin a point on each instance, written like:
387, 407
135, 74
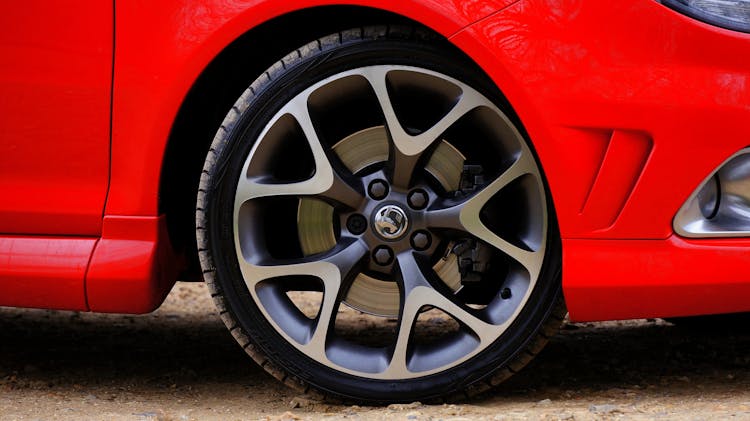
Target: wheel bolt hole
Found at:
382, 255
421, 240
356, 224
418, 199
505, 293
378, 189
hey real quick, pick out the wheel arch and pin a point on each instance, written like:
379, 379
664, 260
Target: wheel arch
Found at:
217, 87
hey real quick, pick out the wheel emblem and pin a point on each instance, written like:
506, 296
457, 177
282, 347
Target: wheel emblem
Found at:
390, 222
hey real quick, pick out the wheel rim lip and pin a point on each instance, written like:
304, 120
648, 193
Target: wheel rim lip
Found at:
324, 359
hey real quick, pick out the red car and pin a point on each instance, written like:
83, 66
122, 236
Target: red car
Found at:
389, 201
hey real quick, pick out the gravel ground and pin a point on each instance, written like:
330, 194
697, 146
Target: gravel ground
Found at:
180, 363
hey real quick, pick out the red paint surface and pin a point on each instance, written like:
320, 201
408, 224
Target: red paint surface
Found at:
573, 72
132, 268
55, 77
44, 272
576, 67
628, 104
611, 279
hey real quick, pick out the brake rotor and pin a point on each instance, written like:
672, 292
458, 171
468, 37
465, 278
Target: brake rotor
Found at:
315, 223
315, 226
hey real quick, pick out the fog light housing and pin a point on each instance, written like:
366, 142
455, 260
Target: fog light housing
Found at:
728, 14
720, 207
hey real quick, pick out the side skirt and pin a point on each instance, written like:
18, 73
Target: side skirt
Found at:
44, 272
629, 279
133, 266
130, 269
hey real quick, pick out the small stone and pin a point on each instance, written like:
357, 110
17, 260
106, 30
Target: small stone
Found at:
352, 410
402, 406
604, 409
301, 401
288, 416
545, 402
452, 409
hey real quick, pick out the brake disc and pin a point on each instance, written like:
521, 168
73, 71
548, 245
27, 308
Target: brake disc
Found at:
315, 223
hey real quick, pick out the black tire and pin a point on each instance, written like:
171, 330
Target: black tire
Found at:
250, 323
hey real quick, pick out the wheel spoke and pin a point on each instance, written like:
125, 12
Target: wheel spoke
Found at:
331, 268
464, 215
326, 317
398, 365
412, 282
406, 149
347, 261
325, 183
417, 294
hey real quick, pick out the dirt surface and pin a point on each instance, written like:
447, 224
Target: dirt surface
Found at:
180, 363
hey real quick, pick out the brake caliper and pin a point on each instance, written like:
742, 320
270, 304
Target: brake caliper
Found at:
472, 177
473, 260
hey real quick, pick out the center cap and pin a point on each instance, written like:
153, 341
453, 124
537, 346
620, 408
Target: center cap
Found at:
390, 222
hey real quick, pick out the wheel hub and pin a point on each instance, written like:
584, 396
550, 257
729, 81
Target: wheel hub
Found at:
316, 227
390, 222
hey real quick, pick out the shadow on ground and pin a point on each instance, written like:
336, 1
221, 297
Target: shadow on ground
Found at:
184, 346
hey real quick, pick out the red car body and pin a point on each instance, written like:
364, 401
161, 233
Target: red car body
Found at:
629, 105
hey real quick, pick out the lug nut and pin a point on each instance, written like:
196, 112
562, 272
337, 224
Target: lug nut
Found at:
356, 224
421, 240
378, 189
383, 255
418, 199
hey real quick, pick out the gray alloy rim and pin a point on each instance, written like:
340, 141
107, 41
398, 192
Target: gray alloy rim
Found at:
415, 230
